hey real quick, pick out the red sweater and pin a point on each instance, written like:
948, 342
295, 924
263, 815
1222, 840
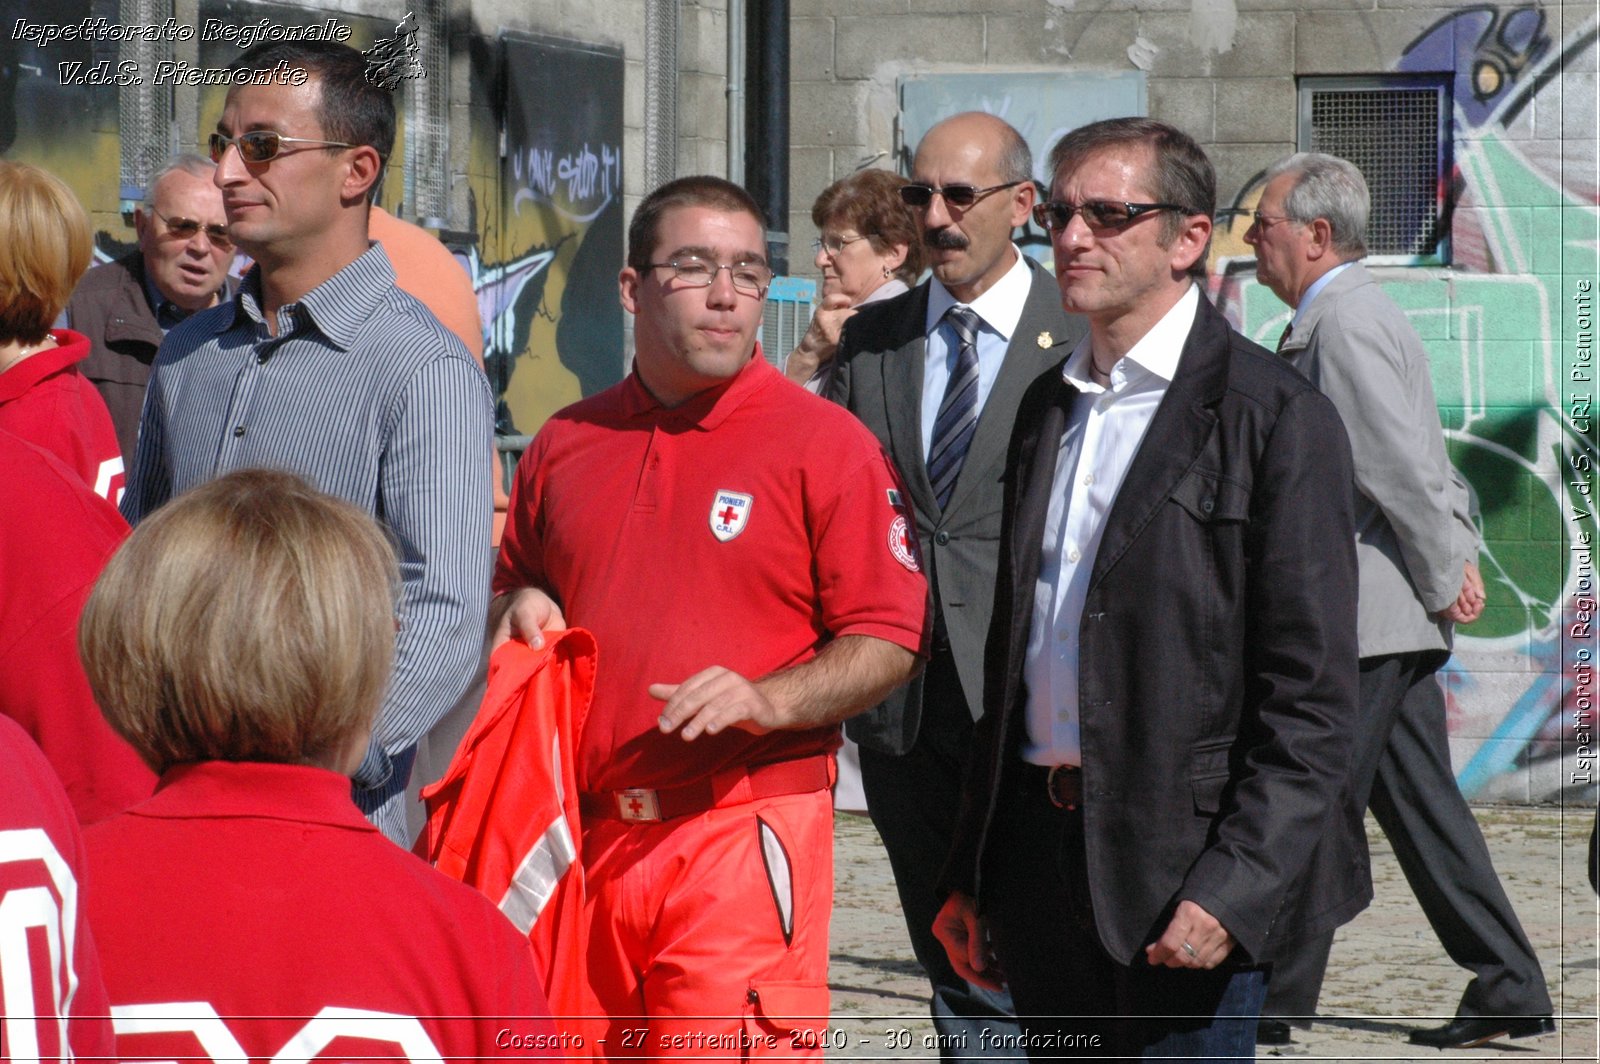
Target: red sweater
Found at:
55, 537
46, 401
48, 961
248, 910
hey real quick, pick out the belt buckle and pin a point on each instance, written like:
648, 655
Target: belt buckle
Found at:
638, 805
1060, 772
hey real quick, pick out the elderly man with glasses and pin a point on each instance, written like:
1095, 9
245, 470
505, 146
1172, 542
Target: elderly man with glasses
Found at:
127, 306
1418, 555
321, 366
742, 553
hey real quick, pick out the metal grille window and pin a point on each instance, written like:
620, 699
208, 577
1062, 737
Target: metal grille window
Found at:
148, 134
786, 317
427, 162
1398, 133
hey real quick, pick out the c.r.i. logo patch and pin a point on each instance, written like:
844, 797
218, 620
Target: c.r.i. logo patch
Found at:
730, 512
901, 544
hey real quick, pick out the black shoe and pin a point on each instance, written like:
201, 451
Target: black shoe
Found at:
1469, 1032
1271, 1032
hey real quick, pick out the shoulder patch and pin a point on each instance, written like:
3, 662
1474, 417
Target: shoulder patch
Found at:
901, 545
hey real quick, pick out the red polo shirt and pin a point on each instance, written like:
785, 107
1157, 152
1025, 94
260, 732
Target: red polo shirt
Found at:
248, 910
744, 528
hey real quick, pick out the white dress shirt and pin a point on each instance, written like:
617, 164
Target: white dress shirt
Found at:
999, 309
1103, 434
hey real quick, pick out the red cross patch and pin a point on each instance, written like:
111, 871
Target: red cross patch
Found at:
730, 512
900, 544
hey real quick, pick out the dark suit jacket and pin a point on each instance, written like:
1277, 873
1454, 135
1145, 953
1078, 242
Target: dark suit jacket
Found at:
1218, 658
110, 307
878, 376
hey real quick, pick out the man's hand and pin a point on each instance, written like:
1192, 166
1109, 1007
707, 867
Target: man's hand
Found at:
821, 339
1468, 605
711, 700
523, 614
849, 674
959, 928
1208, 941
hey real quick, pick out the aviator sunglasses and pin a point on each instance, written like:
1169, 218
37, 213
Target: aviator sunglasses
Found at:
263, 145
186, 228
1055, 215
955, 195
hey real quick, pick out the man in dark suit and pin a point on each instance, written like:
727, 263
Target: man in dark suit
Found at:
1417, 552
1154, 804
943, 410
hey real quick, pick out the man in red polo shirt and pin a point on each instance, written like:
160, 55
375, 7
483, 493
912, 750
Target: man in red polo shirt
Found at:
740, 550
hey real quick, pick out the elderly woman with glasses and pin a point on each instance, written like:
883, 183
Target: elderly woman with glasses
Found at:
44, 248
869, 249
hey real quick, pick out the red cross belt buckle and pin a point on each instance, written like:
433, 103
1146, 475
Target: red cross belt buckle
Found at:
638, 805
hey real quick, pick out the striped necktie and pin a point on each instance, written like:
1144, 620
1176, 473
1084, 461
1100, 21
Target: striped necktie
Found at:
958, 411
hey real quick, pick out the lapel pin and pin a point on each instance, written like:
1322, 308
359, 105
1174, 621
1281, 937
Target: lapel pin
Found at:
1045, 341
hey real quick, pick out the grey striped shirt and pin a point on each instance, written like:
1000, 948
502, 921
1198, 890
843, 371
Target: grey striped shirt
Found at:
367, 396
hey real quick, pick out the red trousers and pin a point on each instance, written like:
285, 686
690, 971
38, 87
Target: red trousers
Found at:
708, 934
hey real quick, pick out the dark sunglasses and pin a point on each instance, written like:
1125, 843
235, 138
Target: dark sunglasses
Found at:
263, 145
1055, 215
955, 195
186, 228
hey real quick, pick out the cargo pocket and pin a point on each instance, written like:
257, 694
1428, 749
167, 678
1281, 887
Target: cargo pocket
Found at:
786, 1021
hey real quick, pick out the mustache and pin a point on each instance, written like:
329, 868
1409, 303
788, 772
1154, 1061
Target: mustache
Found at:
945, 239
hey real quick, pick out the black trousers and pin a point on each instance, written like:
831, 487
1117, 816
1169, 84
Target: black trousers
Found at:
1074, 999
913, 801
1402, 764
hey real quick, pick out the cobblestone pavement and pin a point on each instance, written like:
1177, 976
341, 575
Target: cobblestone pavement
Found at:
1388, 972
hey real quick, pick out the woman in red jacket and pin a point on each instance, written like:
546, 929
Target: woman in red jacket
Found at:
44, 248
241, 640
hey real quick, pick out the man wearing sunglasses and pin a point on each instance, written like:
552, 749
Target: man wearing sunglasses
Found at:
320, 365
1417, 550
127, 306
1155, 806
943, 408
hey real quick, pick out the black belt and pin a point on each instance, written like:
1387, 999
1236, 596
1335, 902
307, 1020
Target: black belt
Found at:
1062, 784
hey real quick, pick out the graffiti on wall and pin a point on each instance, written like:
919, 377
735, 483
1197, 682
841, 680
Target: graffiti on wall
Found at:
1498, 329
547, 192
543, 239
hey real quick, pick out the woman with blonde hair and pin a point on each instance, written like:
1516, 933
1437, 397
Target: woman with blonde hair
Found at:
241, 640
45, 247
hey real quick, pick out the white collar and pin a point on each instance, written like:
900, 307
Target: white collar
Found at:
1000, 307
1157, 351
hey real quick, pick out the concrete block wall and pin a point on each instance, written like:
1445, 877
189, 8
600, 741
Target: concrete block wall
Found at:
1502, 322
